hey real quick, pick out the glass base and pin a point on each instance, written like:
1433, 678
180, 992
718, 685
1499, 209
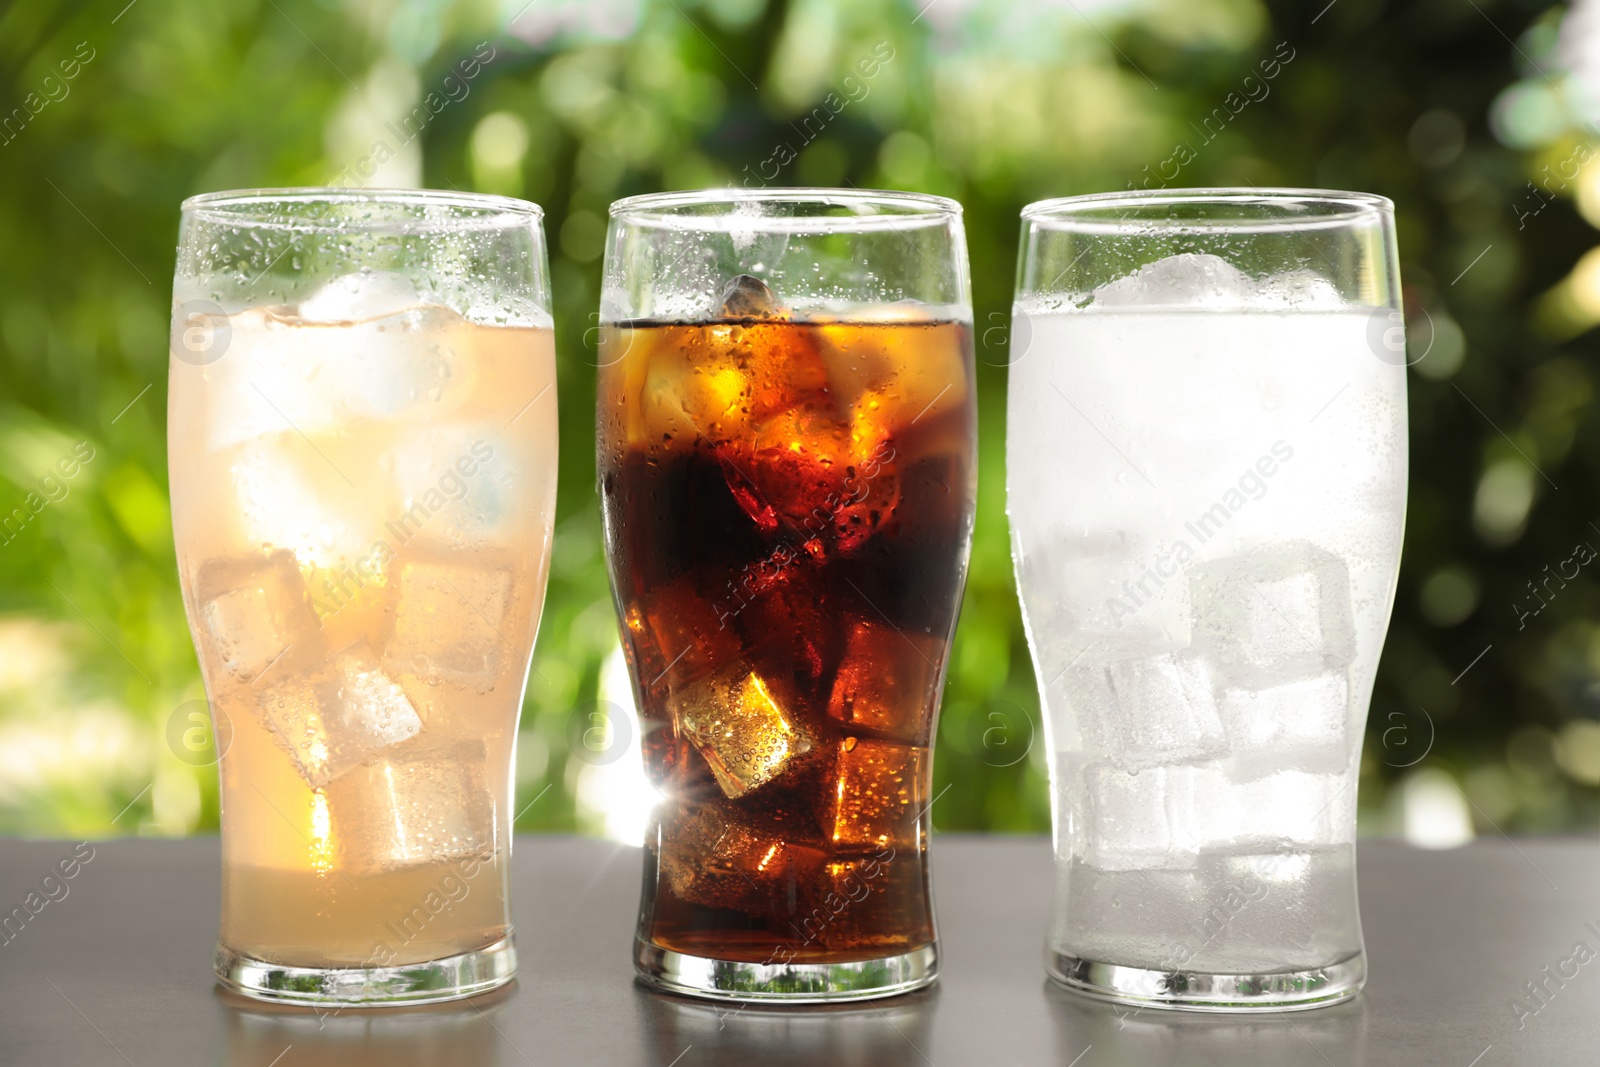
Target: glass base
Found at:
788, 983
451, 978
1194, 991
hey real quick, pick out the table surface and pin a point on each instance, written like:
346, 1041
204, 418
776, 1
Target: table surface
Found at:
117, 971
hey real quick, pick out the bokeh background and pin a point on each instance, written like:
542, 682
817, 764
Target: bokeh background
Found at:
1475, 116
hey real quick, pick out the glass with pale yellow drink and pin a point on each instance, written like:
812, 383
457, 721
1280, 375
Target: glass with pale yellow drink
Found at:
362, 443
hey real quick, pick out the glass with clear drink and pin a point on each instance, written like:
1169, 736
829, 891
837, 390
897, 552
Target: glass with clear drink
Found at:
362, 443
1206, 468
786, 463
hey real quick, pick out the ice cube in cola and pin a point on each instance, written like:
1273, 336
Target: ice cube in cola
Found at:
787, 594
740, 729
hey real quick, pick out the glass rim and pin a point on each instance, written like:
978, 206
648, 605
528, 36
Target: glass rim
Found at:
1079, 214
479, 210
870, 209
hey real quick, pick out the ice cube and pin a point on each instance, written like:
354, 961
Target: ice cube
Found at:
414, 809
720, 381
877, 901
787, 373
857, 360
1301, 290
1143, 821
878, 796
723, 858
792, 474
1274, 615
747, 297
254, 611
679, 634
670, 763
369, 294
738, 725
265, 383
1147, 711
1189, 279
284, 373
342, 715
807, 469
1171, 818
888, 681
909, 374
790, 632
1290, 806
404, 363
452, 621
694, 384
1083, 589
864, 876
876, 490
457, 484
401, 360
1300, 724
291, 495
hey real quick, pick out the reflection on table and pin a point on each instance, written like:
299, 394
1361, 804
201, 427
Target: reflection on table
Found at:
886, 1033
1120, 1034
465, 1033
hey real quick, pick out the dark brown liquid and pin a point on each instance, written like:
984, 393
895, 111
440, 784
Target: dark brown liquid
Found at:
788, 512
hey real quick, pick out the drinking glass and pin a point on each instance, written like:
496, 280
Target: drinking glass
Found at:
1206, 461
362, 442
786, 462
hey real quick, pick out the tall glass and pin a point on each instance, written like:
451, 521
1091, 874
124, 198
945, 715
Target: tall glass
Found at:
1206, 462
362, 441
786, 460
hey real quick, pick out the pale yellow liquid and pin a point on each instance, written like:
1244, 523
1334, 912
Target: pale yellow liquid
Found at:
363, 515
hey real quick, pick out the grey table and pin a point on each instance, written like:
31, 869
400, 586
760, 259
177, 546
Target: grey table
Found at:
117, 971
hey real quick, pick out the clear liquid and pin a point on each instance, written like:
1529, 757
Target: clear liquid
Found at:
1206, 510
1232, 913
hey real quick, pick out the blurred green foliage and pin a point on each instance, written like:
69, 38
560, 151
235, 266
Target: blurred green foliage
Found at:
125, 110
